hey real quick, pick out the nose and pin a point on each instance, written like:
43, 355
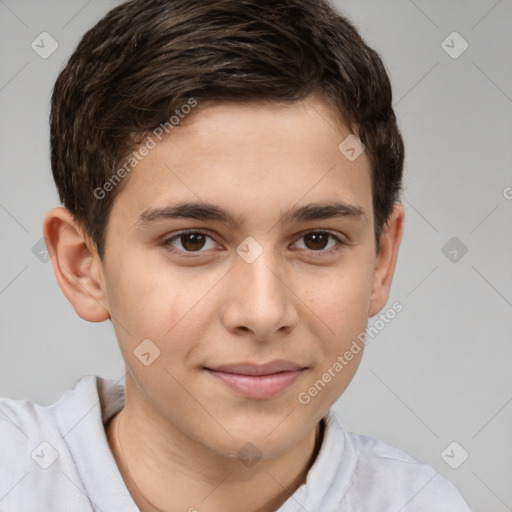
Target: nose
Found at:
260, 300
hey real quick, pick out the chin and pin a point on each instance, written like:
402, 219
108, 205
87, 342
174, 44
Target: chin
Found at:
258, 435
249, 450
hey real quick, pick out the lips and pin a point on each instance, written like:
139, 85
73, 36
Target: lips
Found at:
257, 381
254, 369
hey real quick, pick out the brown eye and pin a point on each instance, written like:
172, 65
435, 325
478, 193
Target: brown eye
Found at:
318, 241
190, 241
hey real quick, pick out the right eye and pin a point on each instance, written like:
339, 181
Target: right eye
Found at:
191, 241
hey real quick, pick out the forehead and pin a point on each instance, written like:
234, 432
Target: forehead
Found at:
254, 159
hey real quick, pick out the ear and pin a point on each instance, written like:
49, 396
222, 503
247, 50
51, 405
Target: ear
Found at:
76, 264
386, 259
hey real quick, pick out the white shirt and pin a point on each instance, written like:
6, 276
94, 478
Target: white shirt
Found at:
56, 458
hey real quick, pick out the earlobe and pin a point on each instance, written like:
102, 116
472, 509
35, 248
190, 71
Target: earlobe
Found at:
386, 259
76, 265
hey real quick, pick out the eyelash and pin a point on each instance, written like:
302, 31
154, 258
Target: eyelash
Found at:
193, 254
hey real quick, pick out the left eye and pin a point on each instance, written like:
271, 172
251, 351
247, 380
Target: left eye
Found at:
194, 241
318, 239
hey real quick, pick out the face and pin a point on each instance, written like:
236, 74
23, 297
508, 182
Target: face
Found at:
250, 293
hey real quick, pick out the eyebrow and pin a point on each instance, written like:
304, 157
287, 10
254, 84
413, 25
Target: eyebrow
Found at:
203, 211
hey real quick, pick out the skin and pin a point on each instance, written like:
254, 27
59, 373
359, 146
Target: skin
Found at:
300, 301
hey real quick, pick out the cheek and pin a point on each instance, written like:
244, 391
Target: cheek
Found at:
170, 306
341, 301
158, 317
341, 306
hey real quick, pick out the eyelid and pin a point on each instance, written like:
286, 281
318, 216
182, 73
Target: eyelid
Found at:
340, 242
168, 239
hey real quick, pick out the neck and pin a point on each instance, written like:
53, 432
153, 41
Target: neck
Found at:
161, 466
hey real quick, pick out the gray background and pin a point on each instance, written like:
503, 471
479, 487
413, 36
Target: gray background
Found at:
440, 371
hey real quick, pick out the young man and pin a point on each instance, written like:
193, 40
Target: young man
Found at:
230, 174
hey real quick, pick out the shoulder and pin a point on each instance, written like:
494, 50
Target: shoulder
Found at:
38, 471
401, 481
22, 424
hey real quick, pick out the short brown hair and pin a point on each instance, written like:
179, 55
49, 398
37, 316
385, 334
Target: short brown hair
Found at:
146, 58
